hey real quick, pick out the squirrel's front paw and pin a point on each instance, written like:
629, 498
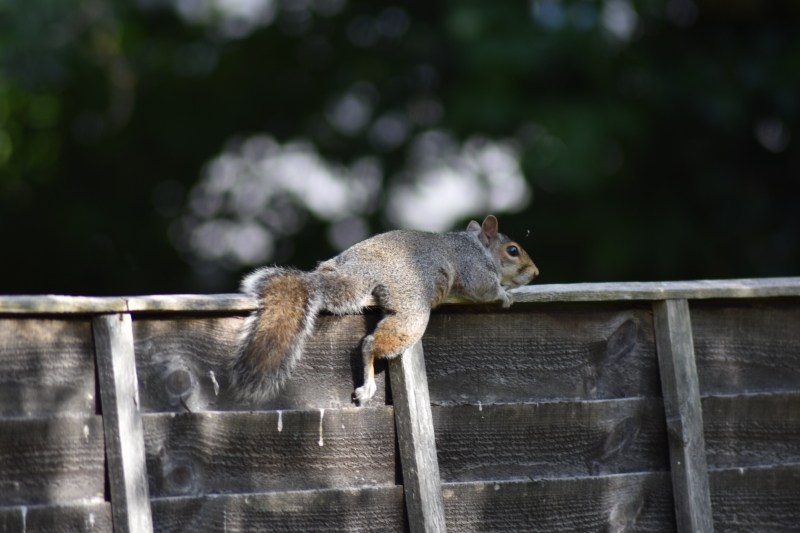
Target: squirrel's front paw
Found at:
506, 299
365, 392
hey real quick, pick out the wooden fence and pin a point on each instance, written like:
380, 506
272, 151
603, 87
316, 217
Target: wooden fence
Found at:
592, 407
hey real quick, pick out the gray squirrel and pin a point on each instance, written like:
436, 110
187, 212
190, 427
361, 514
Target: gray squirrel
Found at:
409, 272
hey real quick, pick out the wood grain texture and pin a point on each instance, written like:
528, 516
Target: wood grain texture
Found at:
373, 509
416, 441
192, 303
51, 460
659, 290
752, 430
89, 518
227, 452
46, 366
127, 475
55, 304
747, 346
684, 416
575, 292
526, 441
614, 504
744, 500
183, 362
570, 351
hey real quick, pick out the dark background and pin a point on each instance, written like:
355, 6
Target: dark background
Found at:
659, 140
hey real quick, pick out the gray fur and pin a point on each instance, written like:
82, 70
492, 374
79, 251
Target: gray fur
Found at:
408, 271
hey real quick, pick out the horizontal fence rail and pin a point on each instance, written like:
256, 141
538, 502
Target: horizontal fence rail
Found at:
663, 406
577, 292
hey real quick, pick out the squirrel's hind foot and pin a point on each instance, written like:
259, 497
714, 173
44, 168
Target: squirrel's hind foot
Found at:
365, 392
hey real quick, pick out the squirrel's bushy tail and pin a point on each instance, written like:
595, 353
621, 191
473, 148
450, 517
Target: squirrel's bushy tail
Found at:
273, 335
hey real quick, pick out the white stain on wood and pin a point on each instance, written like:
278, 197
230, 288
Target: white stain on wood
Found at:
214, 381
321, 416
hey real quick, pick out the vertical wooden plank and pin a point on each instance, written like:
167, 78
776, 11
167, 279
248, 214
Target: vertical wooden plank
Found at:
119, 395
414, 422
681, 390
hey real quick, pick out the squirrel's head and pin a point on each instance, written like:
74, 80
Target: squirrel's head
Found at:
513, 263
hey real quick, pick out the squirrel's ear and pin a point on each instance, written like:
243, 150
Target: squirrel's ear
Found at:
488, 230
473, 226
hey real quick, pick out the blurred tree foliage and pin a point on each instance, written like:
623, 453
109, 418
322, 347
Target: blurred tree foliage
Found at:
660, 139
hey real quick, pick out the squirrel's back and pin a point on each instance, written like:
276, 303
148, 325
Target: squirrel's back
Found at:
404, 265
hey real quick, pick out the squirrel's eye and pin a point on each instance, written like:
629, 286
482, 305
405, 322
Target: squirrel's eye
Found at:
513, 251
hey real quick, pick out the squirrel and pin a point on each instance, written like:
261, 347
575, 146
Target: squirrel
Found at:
409, 272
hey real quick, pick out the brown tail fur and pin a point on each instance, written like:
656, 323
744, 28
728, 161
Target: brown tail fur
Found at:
273, 336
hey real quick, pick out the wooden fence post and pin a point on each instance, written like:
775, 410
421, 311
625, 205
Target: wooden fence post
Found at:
414, 422
122, 420
681, 390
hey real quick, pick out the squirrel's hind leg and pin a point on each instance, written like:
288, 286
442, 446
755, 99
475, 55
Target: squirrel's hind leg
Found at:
367, 390
394, 334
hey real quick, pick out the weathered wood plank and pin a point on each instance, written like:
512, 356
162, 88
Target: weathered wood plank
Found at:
191, 303
46, 366
219, 452
113, 338
347, 510
659, 290
183, 362
56, 304
752, 430
524, 441
415, 437
569, 351
51, 460
616, 504
744, 500
747, 346
88, 518
575, 292
684, 416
